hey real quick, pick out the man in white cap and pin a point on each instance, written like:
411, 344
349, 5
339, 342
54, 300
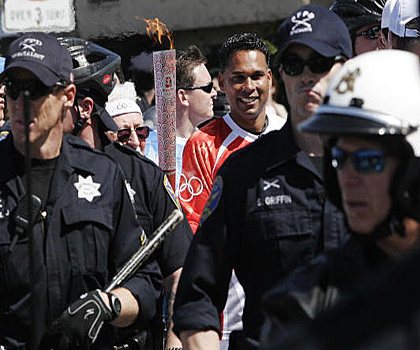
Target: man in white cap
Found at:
404, 26
127, 115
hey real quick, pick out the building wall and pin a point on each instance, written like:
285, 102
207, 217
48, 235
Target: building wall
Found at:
108, 18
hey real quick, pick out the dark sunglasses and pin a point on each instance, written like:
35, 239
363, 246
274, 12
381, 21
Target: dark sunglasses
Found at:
206, 88
364, 161
35, 88
372, 33
142, 133
293, 65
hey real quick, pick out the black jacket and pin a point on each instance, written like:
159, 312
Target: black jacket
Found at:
266, 216
319, 286
87, 232
382, 312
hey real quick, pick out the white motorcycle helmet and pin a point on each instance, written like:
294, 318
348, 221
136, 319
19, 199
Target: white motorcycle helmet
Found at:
376, 94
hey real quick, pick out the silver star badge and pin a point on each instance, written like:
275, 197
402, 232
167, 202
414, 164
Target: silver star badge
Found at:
87, 189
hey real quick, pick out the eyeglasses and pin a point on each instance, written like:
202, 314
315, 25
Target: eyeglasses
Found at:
364, 161
206, 88
142, 132
372, 33
35, 88
294, 65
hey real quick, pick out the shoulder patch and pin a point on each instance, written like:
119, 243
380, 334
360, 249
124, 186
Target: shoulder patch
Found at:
214, 198
170, 191
4, 134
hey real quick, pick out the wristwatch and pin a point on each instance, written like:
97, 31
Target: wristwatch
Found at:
115, 304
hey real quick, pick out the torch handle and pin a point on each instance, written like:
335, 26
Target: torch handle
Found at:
139, 257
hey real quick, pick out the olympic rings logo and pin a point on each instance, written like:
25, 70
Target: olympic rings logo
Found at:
190, 188
122, 105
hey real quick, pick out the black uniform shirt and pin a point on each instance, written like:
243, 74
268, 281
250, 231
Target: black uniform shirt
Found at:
266, 215
88, 231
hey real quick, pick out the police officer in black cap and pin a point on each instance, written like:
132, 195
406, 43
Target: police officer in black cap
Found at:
84, 224
267, 212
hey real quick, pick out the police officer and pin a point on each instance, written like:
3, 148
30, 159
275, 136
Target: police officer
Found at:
266, 214
363, 20
150, 190
85, 227
372, 172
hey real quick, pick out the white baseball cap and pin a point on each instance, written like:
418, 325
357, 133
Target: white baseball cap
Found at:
386, 13
403, 12
123, 106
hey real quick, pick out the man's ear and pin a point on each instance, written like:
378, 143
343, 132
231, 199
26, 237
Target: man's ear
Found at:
270, 76
86, 107
69, 92
182, 97
221, 78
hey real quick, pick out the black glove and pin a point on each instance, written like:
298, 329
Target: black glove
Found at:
79, 325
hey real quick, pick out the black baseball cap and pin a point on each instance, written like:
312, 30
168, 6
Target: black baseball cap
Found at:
42, 55
318, 28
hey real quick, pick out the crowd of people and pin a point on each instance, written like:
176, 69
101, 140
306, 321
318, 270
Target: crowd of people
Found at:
300, 228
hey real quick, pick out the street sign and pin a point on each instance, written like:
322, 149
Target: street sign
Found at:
37, 15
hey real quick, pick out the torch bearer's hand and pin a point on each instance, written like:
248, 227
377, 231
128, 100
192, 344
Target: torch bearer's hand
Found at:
79, 325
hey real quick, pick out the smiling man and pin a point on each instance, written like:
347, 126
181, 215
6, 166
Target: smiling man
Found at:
245, 78
267, 213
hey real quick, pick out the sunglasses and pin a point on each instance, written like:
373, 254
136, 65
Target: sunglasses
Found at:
34, 87
142, 133
372, 33
206, 88
294, 65
364, 161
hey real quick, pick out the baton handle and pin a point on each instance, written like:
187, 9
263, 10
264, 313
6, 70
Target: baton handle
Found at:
147, 249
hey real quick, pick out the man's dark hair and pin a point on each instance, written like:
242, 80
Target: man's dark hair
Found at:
186, 61
242, 42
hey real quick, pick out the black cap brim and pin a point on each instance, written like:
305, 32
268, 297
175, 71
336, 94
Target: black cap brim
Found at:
46, 76
322, 48
107, 121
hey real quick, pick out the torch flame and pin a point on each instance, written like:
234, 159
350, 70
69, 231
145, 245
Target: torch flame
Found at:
157, 28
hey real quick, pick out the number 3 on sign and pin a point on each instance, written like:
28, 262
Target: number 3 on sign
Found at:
38, 14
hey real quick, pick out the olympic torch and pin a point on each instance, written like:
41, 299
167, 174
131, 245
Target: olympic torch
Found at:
164, 65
